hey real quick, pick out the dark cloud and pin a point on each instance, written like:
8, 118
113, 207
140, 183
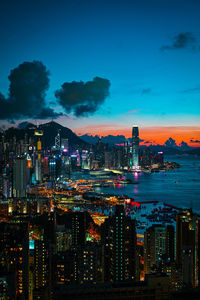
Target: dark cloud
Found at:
194, 141
146, 91
170, 142
28, 85
182, 41
83, 98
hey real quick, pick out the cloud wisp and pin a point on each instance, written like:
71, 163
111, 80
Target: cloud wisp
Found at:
185, 40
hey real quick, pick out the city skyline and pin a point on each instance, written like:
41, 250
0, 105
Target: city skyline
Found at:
147, 52
99, 149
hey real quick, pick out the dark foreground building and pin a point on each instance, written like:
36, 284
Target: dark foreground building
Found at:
154, 288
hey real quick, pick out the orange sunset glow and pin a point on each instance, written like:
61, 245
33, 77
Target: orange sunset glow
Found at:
155, 135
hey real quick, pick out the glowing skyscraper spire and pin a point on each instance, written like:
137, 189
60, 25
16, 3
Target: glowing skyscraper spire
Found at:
135, 147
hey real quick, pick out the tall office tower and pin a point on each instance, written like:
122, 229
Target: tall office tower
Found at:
108, 158
170, 243
57, 141
135, 147
187, 245
146, 158
85, 160
41, 270
126, 154
20, 177
64, 144
52, 168
38, 170
154, 246
119, 247
45, 166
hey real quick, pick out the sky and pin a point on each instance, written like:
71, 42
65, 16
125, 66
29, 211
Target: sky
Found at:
138, 61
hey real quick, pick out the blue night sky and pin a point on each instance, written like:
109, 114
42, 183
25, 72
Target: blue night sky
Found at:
149, 50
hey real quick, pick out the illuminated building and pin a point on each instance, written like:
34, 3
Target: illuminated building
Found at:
64, 145
38, 132
64, 269
52, 168
78, 229
89, 263
146, 158
187, 246
85, 162
117, 158
57, 141
119, 247
41, 270
154, 246
140, 262
158, 158
135, 147
126, 155
63, 238
170, 243
45, 166
20, 177
38, 170
4, 289
74, 161
14, 256
3, 208
108, 158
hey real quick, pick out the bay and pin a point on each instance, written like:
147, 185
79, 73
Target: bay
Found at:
179, 187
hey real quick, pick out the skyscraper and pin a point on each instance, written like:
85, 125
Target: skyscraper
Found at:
119, 247
78, 229
158, 244
187, 246
41, 270
20, 177
135, 147
14, 241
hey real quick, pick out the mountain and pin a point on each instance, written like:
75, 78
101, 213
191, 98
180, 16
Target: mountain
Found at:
50, 130
24, 125
109, 139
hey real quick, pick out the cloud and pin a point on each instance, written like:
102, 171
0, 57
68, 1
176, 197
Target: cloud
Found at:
194, 141
28, 85
146, 91
182, 41
170, 142
192, 90
134, 111
83, 98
